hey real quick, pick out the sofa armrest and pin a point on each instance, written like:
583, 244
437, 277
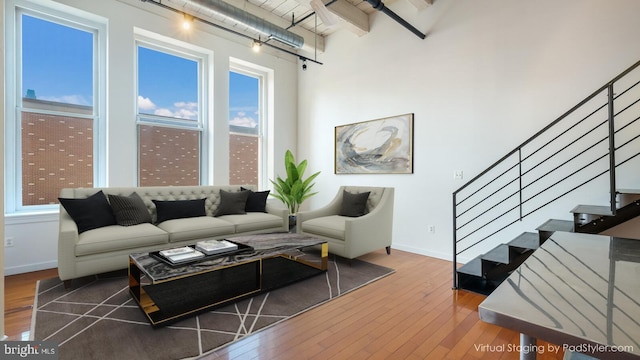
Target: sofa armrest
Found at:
279, 211
373, 230
67, 240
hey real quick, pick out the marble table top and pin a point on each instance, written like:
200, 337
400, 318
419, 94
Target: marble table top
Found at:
264, 245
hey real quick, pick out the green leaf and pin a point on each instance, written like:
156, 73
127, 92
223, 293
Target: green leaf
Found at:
293, 190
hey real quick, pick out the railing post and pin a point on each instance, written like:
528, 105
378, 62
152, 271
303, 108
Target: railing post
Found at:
520, 179
455, 244
612, 150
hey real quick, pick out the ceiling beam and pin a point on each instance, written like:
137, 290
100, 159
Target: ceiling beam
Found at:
355, 19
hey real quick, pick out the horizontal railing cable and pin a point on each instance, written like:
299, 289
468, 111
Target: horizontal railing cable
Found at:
578, 144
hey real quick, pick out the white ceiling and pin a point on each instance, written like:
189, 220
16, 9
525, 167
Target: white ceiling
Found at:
352, 15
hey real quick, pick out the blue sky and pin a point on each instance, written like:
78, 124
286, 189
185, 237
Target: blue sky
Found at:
57, 65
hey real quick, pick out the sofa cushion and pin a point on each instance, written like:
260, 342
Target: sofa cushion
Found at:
257, 201
89, 213
196, 228
353, 205
331, 226
115, 237
129, 210
178, 209
232, 203
253, 221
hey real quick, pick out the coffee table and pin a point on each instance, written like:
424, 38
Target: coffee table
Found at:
167, 293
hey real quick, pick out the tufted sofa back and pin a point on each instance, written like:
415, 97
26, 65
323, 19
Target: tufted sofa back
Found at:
167, 193
375, 194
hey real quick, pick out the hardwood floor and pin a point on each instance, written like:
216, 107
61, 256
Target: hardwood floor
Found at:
412, 314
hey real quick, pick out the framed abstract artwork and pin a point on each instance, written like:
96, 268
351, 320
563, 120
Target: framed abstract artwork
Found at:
382, 146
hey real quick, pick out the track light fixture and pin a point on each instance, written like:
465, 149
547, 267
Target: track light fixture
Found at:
304, 64
186, 22
257, 44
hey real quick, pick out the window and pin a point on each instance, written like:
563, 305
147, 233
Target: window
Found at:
170, 115
246, 112
55, 134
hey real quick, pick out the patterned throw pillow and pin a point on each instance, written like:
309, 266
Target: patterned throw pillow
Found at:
129, 210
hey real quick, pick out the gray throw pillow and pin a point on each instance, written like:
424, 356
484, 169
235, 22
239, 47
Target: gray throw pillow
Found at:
354, 205
232, 203
129, 210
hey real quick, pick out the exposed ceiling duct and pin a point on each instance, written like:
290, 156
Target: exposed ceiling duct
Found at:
270, 31
378, 5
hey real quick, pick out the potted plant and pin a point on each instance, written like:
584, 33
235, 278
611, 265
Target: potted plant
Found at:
293, 190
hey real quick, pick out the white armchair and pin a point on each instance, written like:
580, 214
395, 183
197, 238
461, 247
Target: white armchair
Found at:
351, 237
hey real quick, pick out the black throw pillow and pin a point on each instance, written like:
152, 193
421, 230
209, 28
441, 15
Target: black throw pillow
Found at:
178, 209
89, 213
354, 205
129, 210
257, 200
232, 203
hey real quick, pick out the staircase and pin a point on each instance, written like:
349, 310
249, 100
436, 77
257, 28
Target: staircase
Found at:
485, 272
582, 154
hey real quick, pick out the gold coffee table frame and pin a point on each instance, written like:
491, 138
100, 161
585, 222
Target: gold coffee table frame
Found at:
250, 273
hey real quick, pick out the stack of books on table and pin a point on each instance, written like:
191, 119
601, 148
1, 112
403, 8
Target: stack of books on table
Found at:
181, 254
211, 247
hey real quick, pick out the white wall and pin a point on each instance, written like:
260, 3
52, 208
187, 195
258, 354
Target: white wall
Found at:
488, 76
35, 236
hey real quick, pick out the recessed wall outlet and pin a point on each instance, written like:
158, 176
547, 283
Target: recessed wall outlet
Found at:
431, 228
8, 242
457, 175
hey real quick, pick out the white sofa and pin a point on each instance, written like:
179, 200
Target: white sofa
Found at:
107, 248
348, 236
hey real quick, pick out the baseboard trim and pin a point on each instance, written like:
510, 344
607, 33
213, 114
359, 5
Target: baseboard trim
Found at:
14, 270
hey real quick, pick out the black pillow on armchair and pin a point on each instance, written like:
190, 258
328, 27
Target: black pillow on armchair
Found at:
354, 205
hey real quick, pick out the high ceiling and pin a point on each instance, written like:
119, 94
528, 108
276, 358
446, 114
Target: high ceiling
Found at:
312, 20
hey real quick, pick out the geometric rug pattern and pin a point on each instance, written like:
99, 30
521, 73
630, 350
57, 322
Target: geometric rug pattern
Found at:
98, 318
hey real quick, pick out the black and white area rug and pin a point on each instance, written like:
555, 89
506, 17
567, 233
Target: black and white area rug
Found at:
98, 319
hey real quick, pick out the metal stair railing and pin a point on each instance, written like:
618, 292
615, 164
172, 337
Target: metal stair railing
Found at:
570, 153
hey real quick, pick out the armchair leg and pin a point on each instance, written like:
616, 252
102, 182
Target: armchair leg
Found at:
67, 284
388, 250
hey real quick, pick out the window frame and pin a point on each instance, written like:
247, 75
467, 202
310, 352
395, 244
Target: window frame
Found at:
204, 59
69, 17
265, 96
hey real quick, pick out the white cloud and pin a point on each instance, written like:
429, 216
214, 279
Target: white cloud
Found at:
145, 103
181, 109
186, 114
243, 121
186, 105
